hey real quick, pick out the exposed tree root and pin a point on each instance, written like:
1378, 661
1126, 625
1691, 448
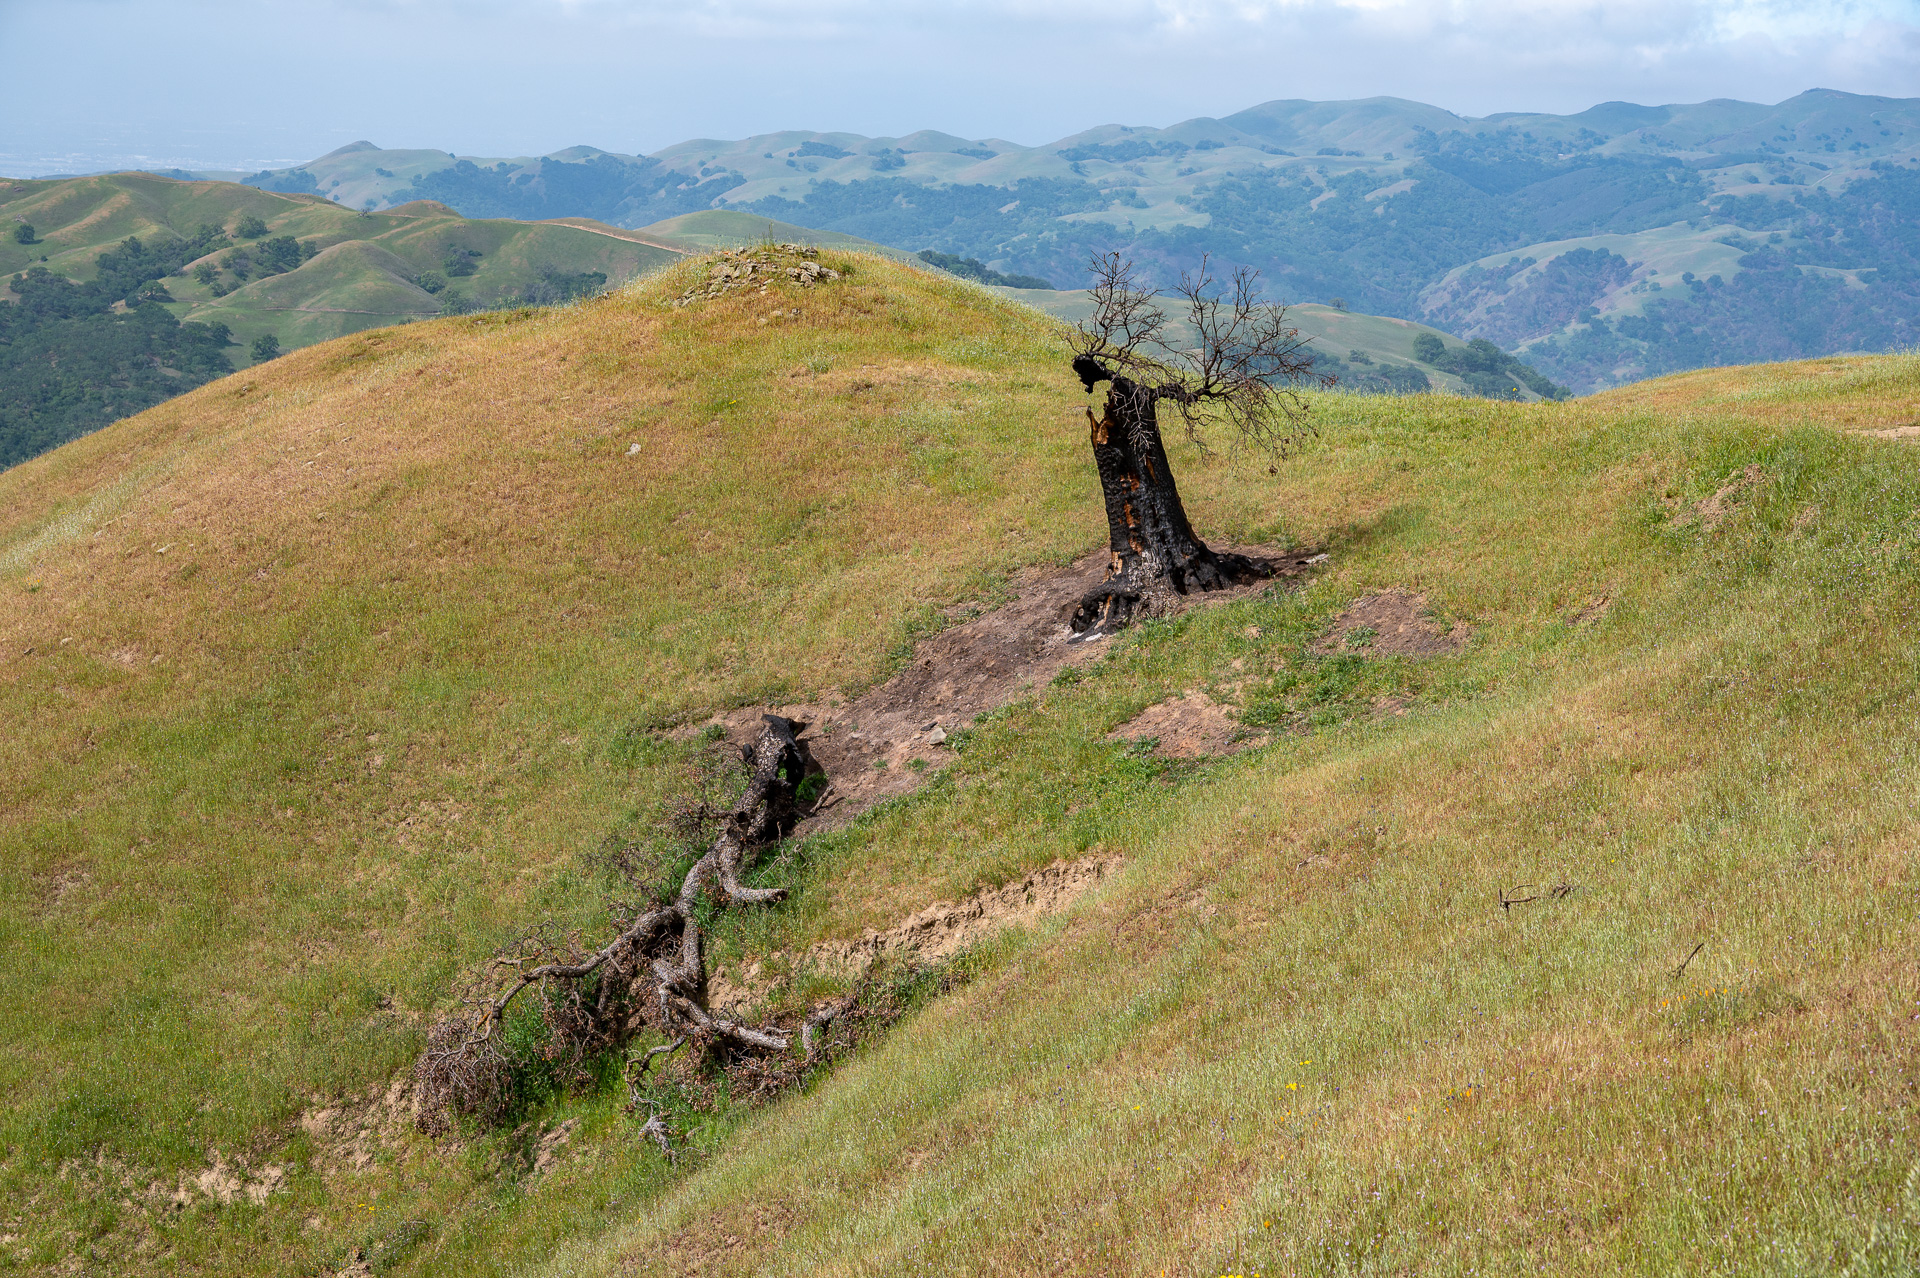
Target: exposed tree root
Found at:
651, 974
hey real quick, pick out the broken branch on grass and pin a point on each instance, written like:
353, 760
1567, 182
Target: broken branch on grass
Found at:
655, 1129
1508, 902
645, 1062
821, 1018
1688, 959
464, 1072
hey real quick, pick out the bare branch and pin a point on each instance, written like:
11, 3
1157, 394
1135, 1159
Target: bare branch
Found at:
1243, 362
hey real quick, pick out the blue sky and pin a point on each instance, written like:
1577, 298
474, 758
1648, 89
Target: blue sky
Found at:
217, 83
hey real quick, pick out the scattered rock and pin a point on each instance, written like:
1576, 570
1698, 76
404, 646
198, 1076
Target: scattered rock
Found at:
1189, 726
759, 267
1392, 623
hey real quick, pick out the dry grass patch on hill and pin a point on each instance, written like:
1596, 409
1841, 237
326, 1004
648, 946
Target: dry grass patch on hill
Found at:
424, 614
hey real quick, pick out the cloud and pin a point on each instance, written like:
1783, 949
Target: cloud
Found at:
296, 78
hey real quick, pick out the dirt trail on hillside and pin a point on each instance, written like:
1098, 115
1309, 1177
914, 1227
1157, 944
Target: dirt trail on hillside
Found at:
869, 746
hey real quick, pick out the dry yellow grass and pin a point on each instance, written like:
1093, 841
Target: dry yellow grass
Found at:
411, 600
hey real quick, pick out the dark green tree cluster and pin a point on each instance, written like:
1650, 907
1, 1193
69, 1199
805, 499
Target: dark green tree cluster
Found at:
1549, 299
74, 357
972, 268
1487, 370
1019, 222
553, 288
1363, 375
1789, 299
288, 181
276, 256
1310, 238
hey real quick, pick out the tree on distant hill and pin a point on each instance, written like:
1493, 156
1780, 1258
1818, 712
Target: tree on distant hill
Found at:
23, 233
1241, 370
971, 268
249, 227
1487, 370
264, 348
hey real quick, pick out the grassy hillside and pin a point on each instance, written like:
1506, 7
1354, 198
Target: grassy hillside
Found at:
728, 228
76, 219
327, 678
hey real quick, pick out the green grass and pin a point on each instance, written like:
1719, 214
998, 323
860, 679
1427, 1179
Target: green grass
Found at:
408, 692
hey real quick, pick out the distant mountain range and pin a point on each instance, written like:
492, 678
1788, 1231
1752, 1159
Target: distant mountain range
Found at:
1613, 244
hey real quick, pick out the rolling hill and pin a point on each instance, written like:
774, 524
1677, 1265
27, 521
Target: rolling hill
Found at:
303, 271
1608, 245
1578, 937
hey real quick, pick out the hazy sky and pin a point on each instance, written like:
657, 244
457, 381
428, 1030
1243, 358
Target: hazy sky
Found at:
89, 84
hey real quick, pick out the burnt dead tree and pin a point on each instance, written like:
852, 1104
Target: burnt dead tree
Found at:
1234, 362
652, 974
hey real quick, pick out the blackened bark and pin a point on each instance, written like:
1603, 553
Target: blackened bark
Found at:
1155, 553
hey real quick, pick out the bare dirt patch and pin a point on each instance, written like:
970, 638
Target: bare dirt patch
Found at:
1591, 611
877, 745
939, 931
227, 1183
1716, 509
1392, 623
351, 1135
1189, 726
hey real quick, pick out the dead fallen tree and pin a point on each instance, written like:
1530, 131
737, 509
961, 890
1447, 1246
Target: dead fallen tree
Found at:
651, 975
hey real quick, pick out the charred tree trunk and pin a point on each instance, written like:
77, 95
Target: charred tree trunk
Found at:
1155, 554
